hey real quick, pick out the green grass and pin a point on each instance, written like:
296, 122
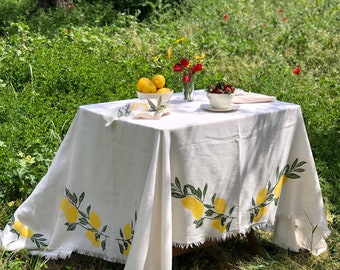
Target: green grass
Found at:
53, 62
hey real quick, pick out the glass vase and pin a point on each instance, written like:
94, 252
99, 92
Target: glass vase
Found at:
188, 91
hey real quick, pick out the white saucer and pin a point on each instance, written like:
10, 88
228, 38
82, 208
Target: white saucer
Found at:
231, 108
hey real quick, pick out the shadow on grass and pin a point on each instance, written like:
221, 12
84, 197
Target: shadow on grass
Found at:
232, 254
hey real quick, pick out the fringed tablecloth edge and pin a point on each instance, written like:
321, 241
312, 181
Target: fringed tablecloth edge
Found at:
65, 254
266, 226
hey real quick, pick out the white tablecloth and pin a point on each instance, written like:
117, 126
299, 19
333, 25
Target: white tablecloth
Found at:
130, 191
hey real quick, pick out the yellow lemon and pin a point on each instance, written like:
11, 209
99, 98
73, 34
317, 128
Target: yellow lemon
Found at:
220, 205
146, 86
139, 106
279, 185
127, 231
262, 212
127, 250
261, 196
94, 220
92, 237
163, 90
158, 80
71, 213
26, 232
196, 207
217, 224
18, 226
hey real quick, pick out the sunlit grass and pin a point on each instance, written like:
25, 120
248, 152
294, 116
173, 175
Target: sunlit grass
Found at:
54, 62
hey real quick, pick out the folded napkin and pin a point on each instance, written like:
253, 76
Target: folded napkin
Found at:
241, 96
146, 109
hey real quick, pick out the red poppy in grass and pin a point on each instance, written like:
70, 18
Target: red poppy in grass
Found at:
178, 67
296, 70
281, 10
197, 67
284, 19
186, 78
225, 16
185, 62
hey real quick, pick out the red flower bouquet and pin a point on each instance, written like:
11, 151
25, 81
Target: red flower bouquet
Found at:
188, 75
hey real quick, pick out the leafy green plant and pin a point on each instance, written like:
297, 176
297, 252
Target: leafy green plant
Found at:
55, 61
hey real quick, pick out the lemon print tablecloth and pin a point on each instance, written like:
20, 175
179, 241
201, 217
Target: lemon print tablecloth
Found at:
130, 191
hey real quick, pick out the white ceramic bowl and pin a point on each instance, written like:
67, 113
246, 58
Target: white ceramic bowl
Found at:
219, 101
165, 96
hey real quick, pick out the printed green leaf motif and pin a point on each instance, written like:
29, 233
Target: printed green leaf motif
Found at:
290, 172
71, 226
103, 244
83, 219
199, 195
81, 198
125, 241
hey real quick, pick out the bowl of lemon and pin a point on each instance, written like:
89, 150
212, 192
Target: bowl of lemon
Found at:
153, 89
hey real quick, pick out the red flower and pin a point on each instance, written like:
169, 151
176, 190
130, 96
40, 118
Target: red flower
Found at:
225, 16
284, 19
188, 71
296, 71
68, 30
178, 67
197, 67
185, 62
186, 78
281, 10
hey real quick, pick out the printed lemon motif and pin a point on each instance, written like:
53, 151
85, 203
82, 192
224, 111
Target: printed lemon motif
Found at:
71, 212
220, 205
261, 196
127, 250
23, 230
196, 207
262, 212
92, 237
127, 231
158, 80
146, 86
279, 185
94, 220
217, 224
26, 232
18, 226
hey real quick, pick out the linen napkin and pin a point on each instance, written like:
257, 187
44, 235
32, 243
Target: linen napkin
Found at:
135, 110
241, 96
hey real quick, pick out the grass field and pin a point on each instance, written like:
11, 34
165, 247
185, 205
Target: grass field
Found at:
53, 62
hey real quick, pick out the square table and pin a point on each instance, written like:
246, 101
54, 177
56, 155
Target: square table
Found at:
130, 191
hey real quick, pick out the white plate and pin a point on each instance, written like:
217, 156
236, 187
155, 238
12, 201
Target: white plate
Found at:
231, 108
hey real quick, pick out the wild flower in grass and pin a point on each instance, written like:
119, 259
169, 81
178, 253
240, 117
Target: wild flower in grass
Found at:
296, 71
200, 57
285, 19
281, 10
169, 53
182, 39
225, 16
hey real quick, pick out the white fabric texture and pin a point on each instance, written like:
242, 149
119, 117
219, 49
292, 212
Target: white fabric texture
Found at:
130, 191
